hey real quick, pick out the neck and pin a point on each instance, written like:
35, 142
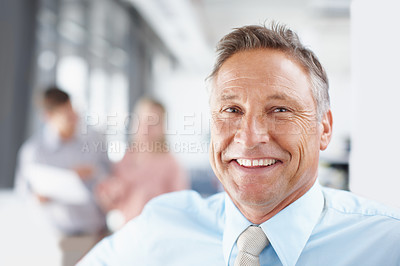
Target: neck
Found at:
65, 136
258, 215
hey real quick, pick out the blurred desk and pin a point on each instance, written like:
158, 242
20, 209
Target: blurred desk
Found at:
26, 237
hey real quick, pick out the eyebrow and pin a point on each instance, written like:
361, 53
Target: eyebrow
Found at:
228, 97
279, 97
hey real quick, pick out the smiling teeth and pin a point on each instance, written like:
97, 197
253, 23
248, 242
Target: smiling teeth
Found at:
259, 162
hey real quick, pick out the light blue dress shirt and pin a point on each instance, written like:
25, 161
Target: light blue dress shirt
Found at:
323, 227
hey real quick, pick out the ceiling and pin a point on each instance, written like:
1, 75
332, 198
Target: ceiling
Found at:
324, 25
191, 28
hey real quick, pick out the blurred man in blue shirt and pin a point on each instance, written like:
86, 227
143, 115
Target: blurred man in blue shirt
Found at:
271, 117
62, 145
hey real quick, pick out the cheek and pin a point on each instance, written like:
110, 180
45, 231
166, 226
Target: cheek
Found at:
288, 125
62, 121
223, 129
214, 158
216, 142
297, 136
156, 130
222, 132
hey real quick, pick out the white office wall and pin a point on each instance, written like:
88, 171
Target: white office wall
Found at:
374, 165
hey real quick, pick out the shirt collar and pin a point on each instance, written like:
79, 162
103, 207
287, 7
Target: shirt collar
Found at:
288, 231
235, 224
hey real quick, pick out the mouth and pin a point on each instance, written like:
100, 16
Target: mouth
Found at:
256, 163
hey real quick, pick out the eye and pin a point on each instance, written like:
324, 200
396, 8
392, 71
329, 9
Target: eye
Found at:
233, 110
280, 110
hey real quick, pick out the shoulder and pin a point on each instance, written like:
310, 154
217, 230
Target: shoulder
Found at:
187, 201
30, 146
88, 132
171, 224
94, 141
351, 222
348, 203
185, 209
183, 218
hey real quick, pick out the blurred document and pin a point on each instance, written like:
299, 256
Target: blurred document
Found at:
58, 184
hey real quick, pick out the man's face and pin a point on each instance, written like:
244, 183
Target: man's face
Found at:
64, 119
265, 138
151, 126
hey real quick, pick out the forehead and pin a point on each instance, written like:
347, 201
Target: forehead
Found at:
147, 110
265, 69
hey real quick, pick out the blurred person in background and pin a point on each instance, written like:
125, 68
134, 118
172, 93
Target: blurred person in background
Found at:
147, 170
63, 145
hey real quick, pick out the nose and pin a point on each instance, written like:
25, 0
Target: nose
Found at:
253, 131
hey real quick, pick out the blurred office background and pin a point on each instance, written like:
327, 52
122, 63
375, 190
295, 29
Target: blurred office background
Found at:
109, 53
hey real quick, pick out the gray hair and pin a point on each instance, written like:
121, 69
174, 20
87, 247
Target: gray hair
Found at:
281, 38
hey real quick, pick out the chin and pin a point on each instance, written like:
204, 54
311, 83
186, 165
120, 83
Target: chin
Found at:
257, 199
256, 195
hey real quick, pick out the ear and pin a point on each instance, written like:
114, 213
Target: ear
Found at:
326, 134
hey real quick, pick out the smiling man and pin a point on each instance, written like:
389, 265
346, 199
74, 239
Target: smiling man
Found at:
270, 114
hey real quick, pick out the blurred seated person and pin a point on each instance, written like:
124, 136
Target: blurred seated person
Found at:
147, 170
63, 145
